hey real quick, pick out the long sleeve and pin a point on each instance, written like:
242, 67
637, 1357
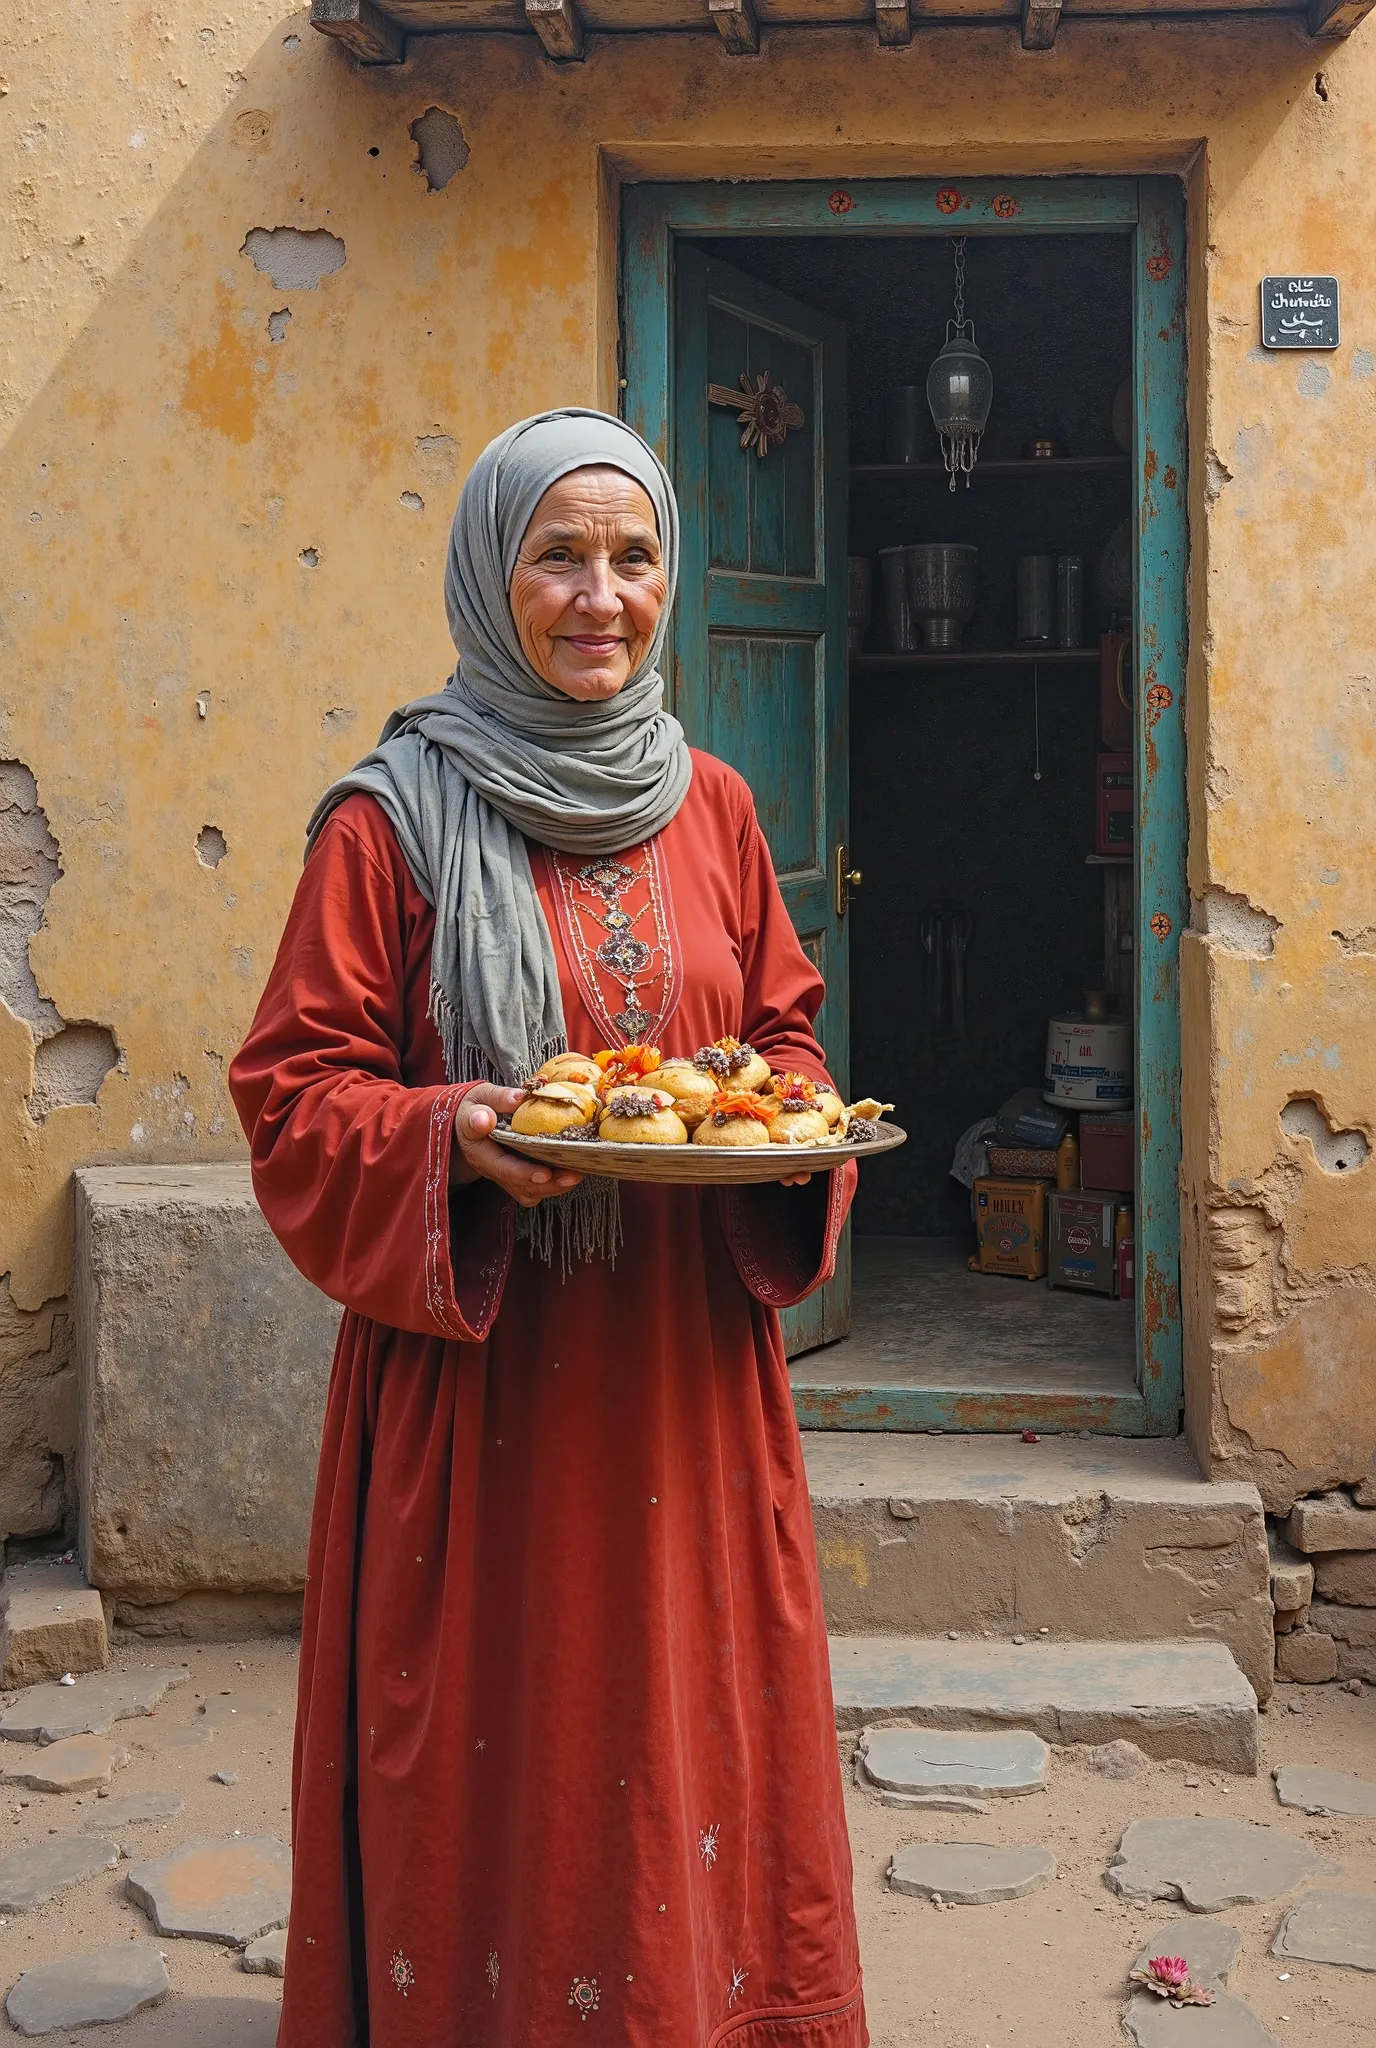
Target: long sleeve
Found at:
783, 1240
351, 1164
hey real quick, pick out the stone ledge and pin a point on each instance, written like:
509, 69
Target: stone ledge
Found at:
1331, 1522
202, 1361
51, 1622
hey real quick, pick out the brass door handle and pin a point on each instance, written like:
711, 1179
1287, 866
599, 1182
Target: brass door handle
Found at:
847, 878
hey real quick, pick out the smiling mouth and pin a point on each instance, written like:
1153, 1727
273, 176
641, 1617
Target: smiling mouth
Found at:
594, 643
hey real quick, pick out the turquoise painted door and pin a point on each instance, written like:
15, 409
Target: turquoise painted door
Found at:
759, 637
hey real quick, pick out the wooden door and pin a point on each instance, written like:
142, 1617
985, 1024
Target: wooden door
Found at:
759, 641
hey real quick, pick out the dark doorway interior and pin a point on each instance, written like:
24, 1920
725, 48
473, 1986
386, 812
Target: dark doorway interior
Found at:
972, 785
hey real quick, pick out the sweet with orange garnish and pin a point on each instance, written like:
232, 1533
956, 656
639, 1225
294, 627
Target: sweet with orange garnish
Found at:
732, 1062
737, 1117
625, 1066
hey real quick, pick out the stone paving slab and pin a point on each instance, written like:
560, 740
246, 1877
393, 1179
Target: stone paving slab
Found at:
49, 1713
1211, 1864
267, 1957
193, 1735
1000, 1765
30, 1877
1227, 2023
1330, 1927
1210, 1947
221, 1888
970, 1873
1182, 1700
88, 1990
79, 1763
933, 1802
1320, 1791
222, 1707
137, 1807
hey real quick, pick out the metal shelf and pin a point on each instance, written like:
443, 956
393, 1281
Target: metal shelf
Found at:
975, 657
1023, 466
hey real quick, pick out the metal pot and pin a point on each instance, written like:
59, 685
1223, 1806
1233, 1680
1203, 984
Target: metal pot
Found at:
859, 599
942, 589
898, 616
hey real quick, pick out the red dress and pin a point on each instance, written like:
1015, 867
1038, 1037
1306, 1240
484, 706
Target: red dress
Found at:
566, 1767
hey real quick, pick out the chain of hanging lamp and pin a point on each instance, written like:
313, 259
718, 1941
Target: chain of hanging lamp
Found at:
959, 247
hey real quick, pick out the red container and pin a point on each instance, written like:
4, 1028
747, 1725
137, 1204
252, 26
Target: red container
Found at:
1106, 1150
1127, 1281
1115, 692
1115, 804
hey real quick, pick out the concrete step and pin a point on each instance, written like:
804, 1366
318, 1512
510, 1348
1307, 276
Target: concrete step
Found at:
1186, 1700
1100, 1539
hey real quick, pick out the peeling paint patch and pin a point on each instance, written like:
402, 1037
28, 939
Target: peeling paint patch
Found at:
296, 259
1237, 926
1337, 1151
338, 719
30, 863
1358, 942
413, 501
441, 147
437, 456
309, 558
211, 846
278, 323
69, 1068
1313, 380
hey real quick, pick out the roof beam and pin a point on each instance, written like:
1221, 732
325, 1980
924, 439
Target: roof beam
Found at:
736, 25
1040, 21
1332, 18
893, 22
559, 26
364, 30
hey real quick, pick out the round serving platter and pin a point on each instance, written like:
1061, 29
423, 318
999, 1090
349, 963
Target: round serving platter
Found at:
718, 1166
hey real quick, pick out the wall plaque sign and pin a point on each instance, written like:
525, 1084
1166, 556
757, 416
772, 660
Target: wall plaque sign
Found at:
1299, 312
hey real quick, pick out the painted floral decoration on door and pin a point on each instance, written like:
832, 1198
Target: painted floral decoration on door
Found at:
763, 410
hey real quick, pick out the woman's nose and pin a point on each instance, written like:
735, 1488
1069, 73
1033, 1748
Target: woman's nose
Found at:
597, 592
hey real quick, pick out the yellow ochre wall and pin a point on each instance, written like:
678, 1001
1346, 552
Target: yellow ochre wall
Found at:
223, 551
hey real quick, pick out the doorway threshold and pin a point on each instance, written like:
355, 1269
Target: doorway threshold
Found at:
935, 1346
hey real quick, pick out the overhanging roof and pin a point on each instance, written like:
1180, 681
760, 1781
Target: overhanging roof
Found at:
377, 31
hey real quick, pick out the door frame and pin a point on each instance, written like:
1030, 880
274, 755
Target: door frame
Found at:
1152, 212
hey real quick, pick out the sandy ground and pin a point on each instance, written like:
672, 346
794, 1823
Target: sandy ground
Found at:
1047, 1971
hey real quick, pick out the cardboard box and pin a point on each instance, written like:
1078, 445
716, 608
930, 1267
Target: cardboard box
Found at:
1081, 1252
1010, 1227
1107, 1147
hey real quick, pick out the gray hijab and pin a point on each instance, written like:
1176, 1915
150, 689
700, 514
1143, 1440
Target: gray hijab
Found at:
499, 756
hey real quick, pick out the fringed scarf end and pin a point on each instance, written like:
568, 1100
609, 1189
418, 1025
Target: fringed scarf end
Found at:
585, 1224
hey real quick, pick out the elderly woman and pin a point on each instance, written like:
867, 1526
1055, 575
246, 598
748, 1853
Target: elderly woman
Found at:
565, 1750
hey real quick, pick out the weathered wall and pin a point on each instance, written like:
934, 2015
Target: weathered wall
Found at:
230, 461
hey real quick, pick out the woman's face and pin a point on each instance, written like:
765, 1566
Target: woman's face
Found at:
589, 583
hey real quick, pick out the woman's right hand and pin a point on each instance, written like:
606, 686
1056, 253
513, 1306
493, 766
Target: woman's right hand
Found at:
475, 1157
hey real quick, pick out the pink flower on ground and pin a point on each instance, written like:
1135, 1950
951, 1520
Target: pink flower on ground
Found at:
1169, 1977
1172, 1970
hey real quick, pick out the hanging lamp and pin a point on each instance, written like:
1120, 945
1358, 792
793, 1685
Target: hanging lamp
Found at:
960, 386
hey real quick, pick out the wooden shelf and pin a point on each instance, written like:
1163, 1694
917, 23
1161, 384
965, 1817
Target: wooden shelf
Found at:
975, 657
1108, 860
1024, 466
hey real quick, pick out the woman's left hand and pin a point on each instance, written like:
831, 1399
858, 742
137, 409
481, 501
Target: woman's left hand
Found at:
795, 1180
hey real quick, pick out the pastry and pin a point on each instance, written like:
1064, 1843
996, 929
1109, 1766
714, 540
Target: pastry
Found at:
626, 1066
732, 1064
549, 1110
798, 1119
831, 1106
737, 1117
571, 1066
641, 1116
861, 1121
693, 1091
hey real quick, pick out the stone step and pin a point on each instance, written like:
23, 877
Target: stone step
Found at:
51, 1622
1095, 1539
1185, 1700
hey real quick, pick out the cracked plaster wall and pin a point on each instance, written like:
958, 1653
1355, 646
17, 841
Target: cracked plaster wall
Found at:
225, 501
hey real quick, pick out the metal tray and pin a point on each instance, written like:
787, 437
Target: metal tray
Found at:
692, 1165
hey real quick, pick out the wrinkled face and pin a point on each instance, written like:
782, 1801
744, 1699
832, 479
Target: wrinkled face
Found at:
589, 583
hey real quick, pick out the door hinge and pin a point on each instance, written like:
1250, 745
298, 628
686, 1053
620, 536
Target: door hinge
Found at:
847, 878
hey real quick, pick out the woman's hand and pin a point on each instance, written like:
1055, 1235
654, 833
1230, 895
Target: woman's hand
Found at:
475, 1157
795, 1180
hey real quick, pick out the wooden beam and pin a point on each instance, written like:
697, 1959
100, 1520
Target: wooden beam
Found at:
1333, 18
365, 31
893, 22
559, 26
736, 25
1040, 21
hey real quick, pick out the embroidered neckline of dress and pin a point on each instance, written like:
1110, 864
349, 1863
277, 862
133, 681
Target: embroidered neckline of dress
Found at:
609, 937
